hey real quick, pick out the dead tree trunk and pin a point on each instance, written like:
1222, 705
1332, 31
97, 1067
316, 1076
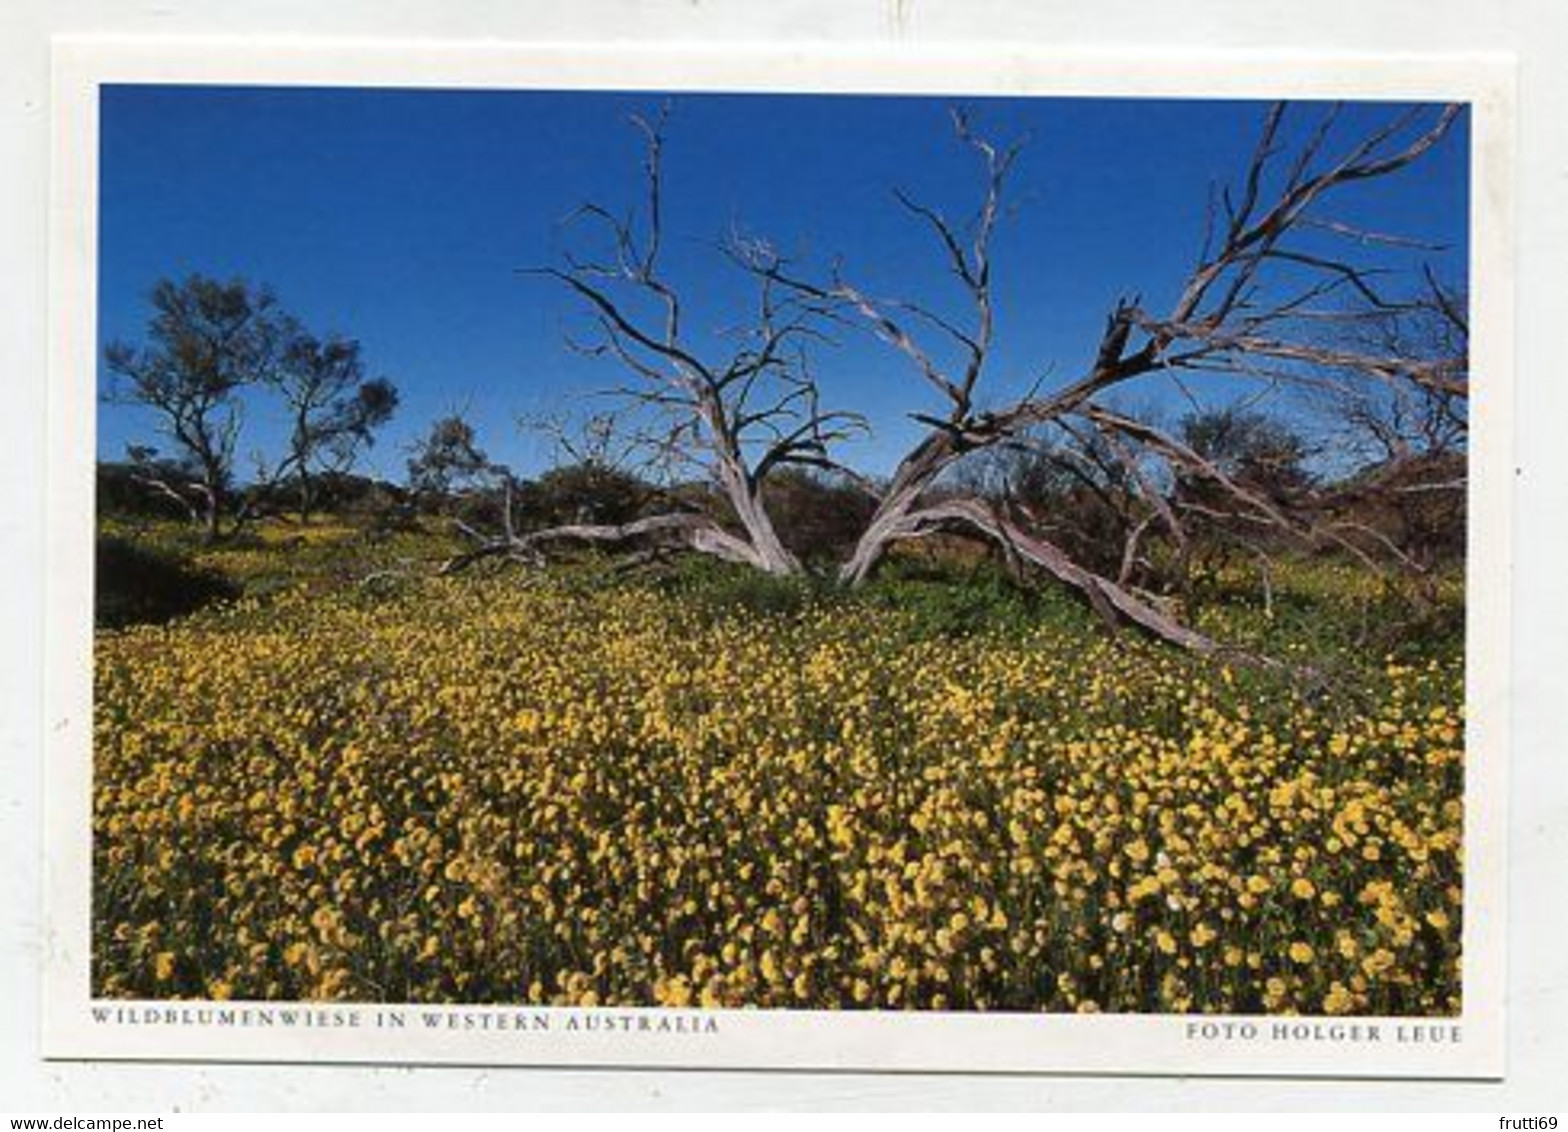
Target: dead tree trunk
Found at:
661, 532
768, 551
1216, 326
890, 521
1111, 600
737, 419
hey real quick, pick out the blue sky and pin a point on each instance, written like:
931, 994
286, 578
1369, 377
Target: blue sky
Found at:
401, 217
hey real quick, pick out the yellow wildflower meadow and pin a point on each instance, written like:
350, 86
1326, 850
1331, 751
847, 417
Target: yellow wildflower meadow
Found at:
485, 790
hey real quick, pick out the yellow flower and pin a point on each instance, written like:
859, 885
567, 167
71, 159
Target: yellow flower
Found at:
769, 967
673, 992
1301, 952
1378, 962
1339, 1000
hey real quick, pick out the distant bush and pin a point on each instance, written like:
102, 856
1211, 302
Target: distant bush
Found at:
820, 518
585, 493
137, 585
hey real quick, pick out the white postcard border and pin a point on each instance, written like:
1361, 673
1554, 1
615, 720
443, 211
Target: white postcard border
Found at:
1163, 1044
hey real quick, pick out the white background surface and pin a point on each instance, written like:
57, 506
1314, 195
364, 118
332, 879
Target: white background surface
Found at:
1537, 30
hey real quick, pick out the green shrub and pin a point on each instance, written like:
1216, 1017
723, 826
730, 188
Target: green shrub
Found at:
959, 603
722, 589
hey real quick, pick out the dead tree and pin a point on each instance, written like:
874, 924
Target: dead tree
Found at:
1224, 321
736, 418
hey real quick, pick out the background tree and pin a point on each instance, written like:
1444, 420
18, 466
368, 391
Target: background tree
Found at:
1249, 447
334, 410
447, 460
450, 474
207, 340
1408, 438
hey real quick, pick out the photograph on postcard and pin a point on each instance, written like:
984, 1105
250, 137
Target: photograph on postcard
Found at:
744, 553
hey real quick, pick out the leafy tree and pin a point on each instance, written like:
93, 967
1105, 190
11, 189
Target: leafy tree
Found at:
1250, 448
334, 409
448, 459
207, 341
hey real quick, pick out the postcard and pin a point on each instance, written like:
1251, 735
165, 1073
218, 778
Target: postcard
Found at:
977, 560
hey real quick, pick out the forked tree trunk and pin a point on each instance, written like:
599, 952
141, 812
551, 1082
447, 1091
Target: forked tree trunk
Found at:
770, 554
307, 496
890, 522
213, 502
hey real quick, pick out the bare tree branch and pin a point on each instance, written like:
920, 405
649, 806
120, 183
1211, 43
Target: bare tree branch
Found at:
738, 417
